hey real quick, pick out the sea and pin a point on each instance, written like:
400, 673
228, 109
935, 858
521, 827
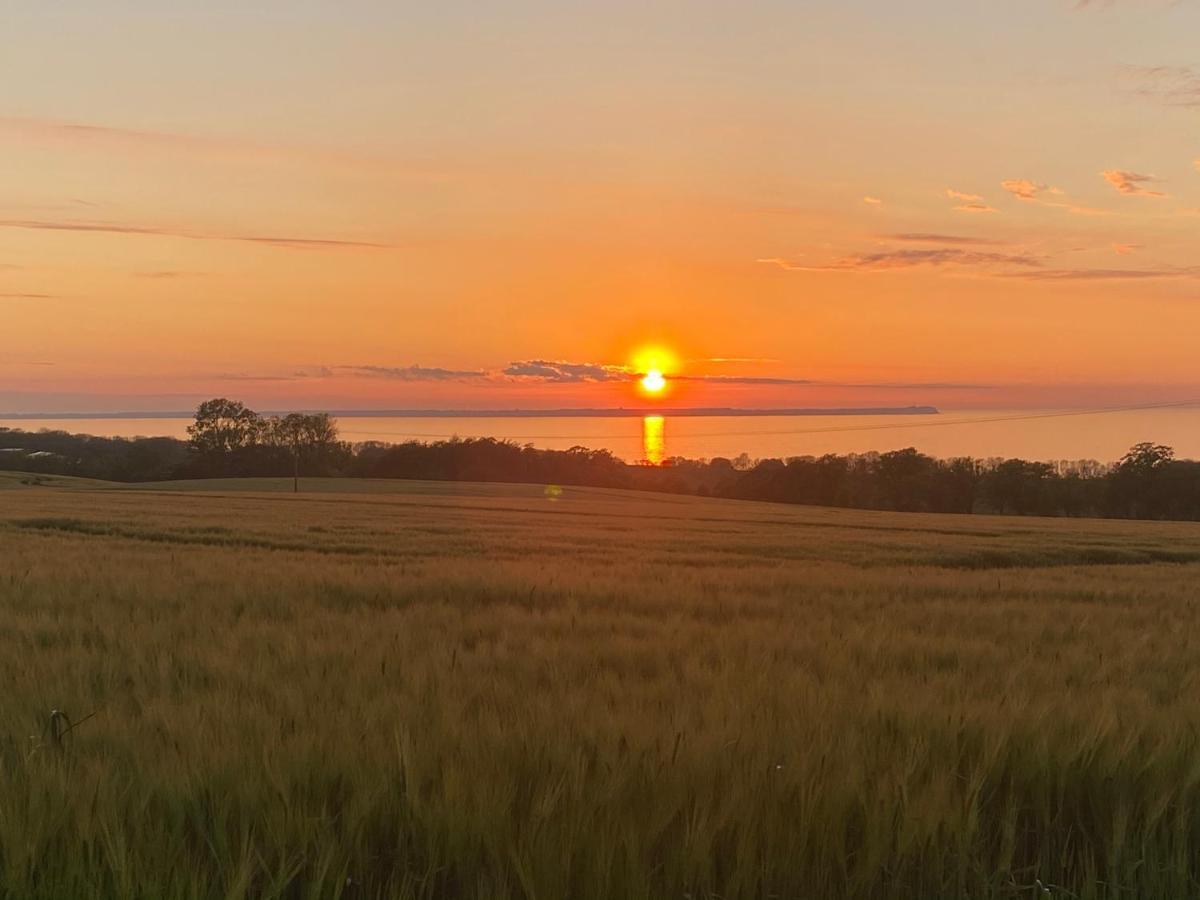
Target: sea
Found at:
1038, 434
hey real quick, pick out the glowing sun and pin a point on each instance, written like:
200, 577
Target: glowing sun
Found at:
653, 382
652, 363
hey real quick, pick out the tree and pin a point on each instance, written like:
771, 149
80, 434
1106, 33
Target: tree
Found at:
1141, 485
904, 479
224, 426
1021, 487
311, 438
1146, 457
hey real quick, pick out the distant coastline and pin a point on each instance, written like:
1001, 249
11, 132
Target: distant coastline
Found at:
583, 413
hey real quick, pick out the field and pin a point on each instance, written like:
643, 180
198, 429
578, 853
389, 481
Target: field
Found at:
420, 690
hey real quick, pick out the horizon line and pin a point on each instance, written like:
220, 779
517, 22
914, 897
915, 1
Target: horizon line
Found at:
562, 412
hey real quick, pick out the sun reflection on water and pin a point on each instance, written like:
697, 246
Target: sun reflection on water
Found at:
654, 441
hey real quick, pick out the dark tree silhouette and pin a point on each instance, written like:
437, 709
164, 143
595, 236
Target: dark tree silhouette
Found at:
229, 439
224, 426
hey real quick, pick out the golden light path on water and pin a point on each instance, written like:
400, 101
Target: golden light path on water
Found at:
654, 439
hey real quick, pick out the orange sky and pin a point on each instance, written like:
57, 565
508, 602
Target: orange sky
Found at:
495, 206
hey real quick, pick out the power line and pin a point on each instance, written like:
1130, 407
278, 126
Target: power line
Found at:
886, 426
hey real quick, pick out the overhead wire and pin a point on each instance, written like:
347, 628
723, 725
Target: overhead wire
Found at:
832, 429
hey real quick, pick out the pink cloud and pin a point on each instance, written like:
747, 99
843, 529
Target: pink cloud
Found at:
1131, 183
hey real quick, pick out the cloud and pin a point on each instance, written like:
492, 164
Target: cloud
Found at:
969, 203
122, 140
738, 359
1032, 192
559, 372
301, 243
165, 274
1097, 4
1024, 189
1104, 274
1131, 183
77, 131
740, 379
872, 201
914, 385
1170, 85
909, 258
408, 373
26, 296
920, 237
1125, 249
246, 376
294, 243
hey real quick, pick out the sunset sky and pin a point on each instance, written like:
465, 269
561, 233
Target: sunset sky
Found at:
495, 205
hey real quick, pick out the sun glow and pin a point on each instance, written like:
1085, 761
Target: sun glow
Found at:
653, 365
653, 382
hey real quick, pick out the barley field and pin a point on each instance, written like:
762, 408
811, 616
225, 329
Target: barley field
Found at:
415, 690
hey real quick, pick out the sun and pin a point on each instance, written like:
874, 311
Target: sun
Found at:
653, 382
653, 365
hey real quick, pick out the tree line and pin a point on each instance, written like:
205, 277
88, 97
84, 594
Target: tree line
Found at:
227, 439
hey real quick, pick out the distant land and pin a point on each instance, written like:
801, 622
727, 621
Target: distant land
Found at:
605, 413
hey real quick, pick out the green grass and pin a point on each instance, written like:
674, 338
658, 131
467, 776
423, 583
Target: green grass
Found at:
24, 480
411, 690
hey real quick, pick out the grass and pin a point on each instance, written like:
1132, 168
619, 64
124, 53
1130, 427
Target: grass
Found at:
19, 480
477, 691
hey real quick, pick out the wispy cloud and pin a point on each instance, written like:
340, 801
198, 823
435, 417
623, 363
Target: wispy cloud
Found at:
119, 139
872, 201
974, 208
1035, 192
18, 295
969, 203
297, 243
248, 376
560, 372
1104, 274
923, 386
1169, 85
409, 373
289, 242
1131, 183
741, 379
1105, 4
988, 264
963, 196
393, 373
921, 237
908, 258
83, 132
738, 359
1024, 189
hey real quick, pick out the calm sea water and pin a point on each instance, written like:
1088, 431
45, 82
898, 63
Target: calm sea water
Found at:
1032, 434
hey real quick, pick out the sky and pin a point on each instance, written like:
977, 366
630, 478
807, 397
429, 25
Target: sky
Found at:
396, 205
